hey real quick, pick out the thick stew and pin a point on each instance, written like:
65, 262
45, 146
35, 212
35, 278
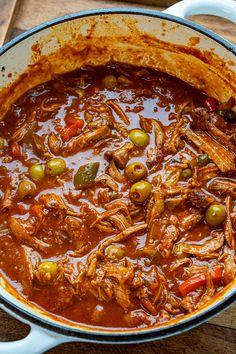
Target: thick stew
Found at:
117, 191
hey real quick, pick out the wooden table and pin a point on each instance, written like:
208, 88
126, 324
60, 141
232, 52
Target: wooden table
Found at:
216, 336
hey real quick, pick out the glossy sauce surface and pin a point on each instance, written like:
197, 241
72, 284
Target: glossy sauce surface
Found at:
141, 284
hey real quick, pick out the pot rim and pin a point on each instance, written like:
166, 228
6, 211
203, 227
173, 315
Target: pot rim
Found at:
117, 10
120, 336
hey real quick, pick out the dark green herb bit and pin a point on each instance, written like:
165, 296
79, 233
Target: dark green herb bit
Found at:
86, 175
230, 115
227, 114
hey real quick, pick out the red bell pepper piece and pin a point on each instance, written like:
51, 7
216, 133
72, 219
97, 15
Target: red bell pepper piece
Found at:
15, 150
37, 210
21, 209
198, 280
70, 120
211, 104
73, 126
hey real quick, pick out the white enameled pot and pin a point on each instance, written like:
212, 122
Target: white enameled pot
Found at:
210, 65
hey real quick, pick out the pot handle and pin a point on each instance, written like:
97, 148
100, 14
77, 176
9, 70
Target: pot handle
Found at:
222, 8
36, 342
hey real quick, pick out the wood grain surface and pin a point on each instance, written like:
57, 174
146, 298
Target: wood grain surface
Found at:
8, 10
29, 14
219, 334
164, 3
206, 339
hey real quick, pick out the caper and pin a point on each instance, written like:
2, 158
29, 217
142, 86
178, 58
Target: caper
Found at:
114, 252
203, 160
109, 81
55, 167
3, 143
48, 267
187, 173
26, 189
139, 137
135, 171
215, 214
36, 172
140, 191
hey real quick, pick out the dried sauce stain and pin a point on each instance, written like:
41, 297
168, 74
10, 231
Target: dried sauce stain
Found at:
193, 41
201, 69
36, 50
231, 63
163, 32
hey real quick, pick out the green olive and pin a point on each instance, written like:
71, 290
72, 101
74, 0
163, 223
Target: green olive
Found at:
114, 252
26, 189
113, 195
140, 191
152, 253
109, 81
149, 251
203, 160
139, 137
135, 171
48, 267
215, 214
55, 167
86, 175
3, 143
187, 173
36, 172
